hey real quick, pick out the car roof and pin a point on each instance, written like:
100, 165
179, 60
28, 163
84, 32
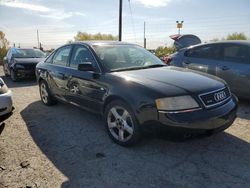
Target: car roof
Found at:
15, 48
245, 42
101, 42
242, 42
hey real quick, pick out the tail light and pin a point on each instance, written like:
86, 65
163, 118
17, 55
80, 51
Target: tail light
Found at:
167, 60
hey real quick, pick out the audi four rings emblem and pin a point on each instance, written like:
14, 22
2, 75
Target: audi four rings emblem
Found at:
220, 96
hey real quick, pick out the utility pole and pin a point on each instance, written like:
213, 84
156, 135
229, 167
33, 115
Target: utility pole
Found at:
179, 26
120, 20
144, 38
38, 43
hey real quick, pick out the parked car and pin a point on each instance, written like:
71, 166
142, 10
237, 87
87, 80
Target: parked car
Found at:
5, 99
133, 88
229, 60
21, 62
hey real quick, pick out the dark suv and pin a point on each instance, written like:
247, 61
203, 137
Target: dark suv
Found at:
132, 88
21, 62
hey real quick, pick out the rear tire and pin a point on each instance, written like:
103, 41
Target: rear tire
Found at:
45, 94
121, 123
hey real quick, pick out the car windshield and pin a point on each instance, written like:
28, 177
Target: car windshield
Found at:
28, 53
126, 57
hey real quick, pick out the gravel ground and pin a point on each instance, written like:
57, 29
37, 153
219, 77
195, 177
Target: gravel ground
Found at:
63, 146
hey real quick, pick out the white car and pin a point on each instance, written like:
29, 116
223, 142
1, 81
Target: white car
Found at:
5, 99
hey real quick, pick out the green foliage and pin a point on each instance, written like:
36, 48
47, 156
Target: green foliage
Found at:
86, 36
236, 36
3, 45
215, 40
164, 51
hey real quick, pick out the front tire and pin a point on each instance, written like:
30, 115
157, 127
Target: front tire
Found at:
45, 94
5, 71
13, 75
121, 123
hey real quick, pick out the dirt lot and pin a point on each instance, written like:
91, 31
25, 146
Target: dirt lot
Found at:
63, 146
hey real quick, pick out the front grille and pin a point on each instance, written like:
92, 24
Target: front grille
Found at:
216, 97
29, 66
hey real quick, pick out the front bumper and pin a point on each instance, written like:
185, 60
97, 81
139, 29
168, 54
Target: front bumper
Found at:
213, 119
23, 73
6, 103
204, 119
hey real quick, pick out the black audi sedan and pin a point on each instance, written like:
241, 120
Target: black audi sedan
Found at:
132, 88
21, 62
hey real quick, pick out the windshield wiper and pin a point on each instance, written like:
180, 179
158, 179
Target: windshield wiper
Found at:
137, 68
155, 65
126, 69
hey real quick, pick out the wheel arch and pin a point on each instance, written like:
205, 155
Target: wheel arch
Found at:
40, 79
111, 98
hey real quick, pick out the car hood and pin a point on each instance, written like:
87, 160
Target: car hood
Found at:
28, 60
173, 80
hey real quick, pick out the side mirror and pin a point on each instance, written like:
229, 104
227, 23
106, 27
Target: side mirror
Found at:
87, 66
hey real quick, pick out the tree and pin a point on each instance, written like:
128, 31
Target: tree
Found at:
215, 40
3, 45
86, 36
164, 51
236, 36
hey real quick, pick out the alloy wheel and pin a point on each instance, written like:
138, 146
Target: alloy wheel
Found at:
120, 123
44, 93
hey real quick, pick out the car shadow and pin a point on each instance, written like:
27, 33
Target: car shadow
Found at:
76, 142
244, 110
6, 116
2, 125
20, 83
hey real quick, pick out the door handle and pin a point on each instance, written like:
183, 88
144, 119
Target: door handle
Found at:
186, 62
225, 68
62, 76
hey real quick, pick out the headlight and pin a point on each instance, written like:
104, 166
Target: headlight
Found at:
19, 66
3, 87
176, 103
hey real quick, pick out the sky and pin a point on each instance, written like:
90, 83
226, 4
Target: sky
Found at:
58, 21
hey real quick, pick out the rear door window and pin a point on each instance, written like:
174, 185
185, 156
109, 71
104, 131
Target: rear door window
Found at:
236, 53
206, 52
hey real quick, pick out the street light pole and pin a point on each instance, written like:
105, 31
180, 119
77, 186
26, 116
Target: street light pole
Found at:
179, 26
144, 40
37, 35
120, 20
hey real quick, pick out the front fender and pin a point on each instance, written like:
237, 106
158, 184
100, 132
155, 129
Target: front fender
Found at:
139, 98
